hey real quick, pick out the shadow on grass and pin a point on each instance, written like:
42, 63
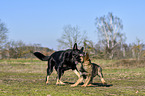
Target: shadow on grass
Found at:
94, 84
101, 85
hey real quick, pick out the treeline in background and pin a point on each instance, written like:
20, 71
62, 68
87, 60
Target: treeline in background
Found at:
110, 45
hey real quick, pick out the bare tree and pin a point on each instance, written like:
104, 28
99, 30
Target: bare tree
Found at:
137, 49
3, 36
70, 36
124, 48
109, 29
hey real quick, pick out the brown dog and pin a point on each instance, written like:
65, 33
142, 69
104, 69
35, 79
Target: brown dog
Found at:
88, 71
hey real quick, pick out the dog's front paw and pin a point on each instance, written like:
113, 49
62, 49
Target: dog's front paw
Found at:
62, 83
103, 81
84, 85
47, 82
90, 85
73, 85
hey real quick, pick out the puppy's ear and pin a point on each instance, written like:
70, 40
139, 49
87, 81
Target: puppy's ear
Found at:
75, 46
87, 57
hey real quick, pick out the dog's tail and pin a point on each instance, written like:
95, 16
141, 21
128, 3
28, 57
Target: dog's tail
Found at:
41, 56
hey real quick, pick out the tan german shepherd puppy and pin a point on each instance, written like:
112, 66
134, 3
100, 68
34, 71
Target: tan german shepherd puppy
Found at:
88, 71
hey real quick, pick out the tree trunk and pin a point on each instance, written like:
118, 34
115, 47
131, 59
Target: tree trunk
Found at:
124, 52
133, 53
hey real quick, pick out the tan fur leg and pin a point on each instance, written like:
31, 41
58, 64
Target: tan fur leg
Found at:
47, 80
90, 85
77, 73
61, 82
87, 81
57, 82
103, 81
78, 81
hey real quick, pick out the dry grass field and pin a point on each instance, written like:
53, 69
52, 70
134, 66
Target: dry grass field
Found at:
27, 78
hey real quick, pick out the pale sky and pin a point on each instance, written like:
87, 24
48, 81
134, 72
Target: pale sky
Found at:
42, 21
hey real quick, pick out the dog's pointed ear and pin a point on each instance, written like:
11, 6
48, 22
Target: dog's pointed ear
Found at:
75, 46
87, 56
82, 49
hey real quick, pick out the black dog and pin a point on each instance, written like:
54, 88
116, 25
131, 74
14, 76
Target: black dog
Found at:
62, 61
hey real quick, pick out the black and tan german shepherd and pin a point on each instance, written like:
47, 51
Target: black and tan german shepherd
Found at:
88, 71
62, 61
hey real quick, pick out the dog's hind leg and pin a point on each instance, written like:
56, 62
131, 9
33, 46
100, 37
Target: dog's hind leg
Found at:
101, 75
103, 81
48, 75
49, 70
47, 79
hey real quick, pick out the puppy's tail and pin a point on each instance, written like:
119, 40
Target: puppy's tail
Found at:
41, 56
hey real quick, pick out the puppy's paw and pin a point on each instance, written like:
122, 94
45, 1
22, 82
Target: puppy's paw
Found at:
73, 85
90, 85
83, 85
103, 81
